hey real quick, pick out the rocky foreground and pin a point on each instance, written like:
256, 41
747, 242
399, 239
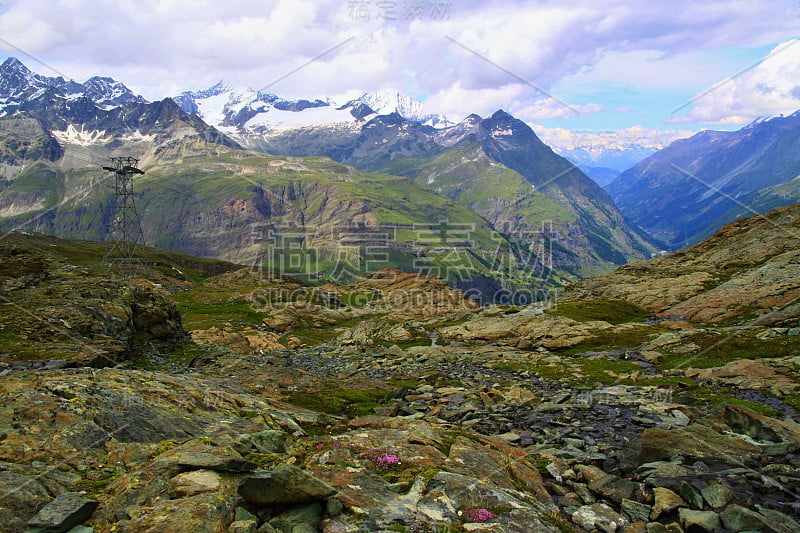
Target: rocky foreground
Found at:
396, 404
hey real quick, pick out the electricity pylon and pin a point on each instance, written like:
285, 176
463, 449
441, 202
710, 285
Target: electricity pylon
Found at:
125, 231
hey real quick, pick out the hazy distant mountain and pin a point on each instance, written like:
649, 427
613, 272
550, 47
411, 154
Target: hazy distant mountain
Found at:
602, 176
691, 188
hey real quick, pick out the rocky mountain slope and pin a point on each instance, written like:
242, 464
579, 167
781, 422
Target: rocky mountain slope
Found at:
688, 190
496, 167
397, 404
748, 268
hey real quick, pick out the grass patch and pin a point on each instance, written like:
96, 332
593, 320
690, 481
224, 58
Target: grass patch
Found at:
792, 400
310, 336
719, 348
340, 401
716, 397
612, 311
358, 299
578, 372
614, 339
204, 314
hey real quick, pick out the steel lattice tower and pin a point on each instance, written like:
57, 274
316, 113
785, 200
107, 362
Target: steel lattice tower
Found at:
125, 231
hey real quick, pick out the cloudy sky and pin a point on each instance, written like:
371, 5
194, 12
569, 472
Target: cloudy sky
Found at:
585, 65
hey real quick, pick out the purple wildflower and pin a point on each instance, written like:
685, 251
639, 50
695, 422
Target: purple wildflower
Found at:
478, 515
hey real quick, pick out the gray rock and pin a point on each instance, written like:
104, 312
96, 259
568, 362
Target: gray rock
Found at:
698, 521
598, 516
780, 519
310, 515
62, 514
243, 514
662, 469
81, 529
243, 526
224, 460
333, 507
690, 495
269, 441
304, 528
286, 484
717, 495
635, 510
738, 518
614, 488
665, 501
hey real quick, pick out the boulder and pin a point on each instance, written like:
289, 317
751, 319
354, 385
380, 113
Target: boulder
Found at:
717, 495
62, 514
195, 482
598, 516
665, 501
219, 459
738, 518
698, 521
286, 484
697, 443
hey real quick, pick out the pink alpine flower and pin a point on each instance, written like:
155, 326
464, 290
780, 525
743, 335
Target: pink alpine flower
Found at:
477, 515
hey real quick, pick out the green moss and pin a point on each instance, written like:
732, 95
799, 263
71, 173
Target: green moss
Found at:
612, 339
715, 397
205, 314
579, 372
717, 348
340, 401
612, 311
97, 487
792, 400
358, 299
541, 464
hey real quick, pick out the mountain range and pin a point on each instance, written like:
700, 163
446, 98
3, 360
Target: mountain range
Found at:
481, 200
683, 193
379, 162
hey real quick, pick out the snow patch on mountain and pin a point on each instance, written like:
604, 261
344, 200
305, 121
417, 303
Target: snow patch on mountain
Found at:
277, 119
81, 137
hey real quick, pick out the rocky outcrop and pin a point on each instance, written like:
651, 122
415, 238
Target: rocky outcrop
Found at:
747, 270
56, 310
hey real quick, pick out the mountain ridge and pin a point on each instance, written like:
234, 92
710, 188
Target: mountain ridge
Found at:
684, 192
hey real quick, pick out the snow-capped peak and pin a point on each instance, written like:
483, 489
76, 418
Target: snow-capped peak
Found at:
387, 101
19, 85
248, 109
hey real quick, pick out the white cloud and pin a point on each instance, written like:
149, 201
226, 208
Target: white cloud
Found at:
771, 87
162, 47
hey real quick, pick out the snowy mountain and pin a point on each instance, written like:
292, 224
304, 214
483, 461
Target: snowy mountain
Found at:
19, 88
253, 111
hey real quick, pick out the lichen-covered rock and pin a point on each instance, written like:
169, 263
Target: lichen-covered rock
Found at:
286, 484
697, 443
68, 510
